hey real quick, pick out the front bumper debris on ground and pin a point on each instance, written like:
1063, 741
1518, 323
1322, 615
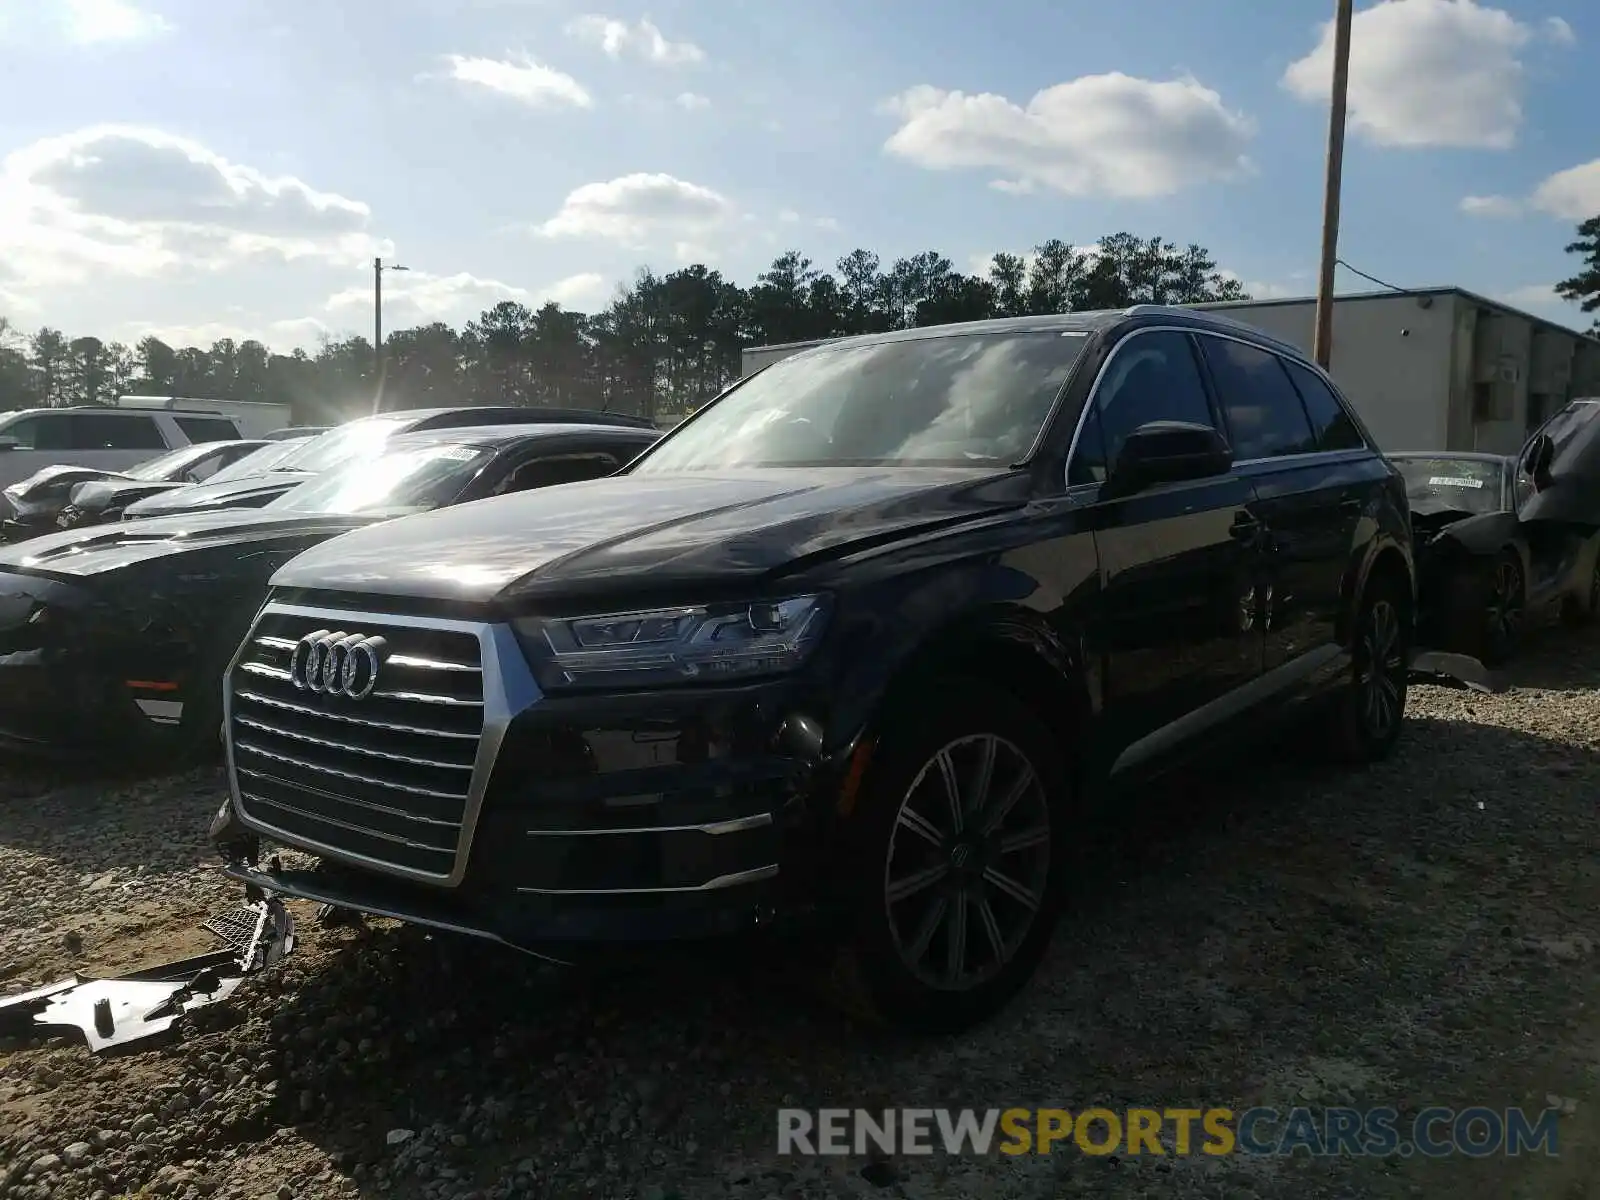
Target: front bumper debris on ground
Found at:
1444, 669
113, 1012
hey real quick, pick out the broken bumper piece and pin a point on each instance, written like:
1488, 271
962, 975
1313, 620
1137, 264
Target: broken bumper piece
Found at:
113, 1012
1452, 670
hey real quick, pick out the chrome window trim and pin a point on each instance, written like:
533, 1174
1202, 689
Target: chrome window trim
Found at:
508, 689
1200, 331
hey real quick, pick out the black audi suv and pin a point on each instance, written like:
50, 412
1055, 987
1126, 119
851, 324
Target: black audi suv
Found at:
854, 648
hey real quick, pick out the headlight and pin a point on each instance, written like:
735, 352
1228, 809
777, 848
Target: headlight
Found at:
696, 644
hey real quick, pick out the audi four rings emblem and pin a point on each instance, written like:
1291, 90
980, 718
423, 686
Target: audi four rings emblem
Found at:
337, 664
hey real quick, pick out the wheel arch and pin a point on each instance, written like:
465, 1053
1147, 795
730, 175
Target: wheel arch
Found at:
1006, 645
1388, 562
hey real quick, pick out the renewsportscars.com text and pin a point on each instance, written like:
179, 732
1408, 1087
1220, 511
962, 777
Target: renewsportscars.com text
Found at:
1432, 1133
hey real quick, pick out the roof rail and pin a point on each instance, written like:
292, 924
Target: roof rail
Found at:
1211, 314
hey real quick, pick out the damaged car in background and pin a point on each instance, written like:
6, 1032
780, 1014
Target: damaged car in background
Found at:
113, 638
355, 440
100, 500
34, 505
1503, 540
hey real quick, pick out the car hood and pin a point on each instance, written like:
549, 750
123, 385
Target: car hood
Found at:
46, 476
664, 530
218, 495
99, 549
99, 493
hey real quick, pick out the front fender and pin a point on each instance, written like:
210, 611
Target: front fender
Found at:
978, 617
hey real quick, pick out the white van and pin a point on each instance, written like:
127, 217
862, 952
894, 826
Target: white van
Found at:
109, 438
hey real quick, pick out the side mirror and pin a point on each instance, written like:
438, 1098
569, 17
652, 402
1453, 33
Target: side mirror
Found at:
9, 443
1536, 461
1169, 452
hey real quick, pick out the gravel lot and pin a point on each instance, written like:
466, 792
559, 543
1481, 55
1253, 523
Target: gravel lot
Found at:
1420, 934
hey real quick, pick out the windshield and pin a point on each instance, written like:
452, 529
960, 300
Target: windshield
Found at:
258, 461
955, 400
358, 439
169, 466
407, 480
1469, 484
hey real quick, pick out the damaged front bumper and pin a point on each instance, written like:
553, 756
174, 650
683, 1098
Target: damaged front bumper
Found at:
76, 673
113, 1012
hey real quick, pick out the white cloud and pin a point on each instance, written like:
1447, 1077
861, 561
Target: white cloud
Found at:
526, 81
1259, 289
1425, 73
418, 297
691, 101
617, 38
641, 209
1491, 206
1109, 135
789, 216
1573, 194
1532, 295
91, 21
1558, 31
125, 200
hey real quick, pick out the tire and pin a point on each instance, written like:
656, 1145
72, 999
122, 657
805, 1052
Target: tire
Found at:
897, 966
1575, 611
1370, 707
1488, 607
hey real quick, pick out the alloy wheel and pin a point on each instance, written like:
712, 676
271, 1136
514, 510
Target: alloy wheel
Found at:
1382, 673
1504, 615
968, 862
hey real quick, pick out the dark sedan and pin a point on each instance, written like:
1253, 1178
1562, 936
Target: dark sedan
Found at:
1501, 540
356, 440
102, 500
115, 637
34, 505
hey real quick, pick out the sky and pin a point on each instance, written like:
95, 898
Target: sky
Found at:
201, 169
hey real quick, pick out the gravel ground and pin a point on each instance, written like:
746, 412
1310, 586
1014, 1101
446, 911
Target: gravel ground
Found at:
1422, 933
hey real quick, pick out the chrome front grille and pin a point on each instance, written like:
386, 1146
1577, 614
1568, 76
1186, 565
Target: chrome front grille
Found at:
386, 780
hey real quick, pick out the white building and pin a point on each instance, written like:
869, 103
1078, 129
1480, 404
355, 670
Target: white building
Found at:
1438, 368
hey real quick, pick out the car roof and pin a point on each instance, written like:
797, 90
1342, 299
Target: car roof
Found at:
1087, 322
116, 411
496, 435
518, 414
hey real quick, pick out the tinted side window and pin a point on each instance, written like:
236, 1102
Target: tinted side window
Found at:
1329, 421
207, 429
44, 432
557, 468
1152, 377
1263, 410
105, 431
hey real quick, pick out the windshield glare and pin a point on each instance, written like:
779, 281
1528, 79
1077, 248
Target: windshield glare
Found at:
413, 480
358, 439
1472, 485
953, 400
170, 464
260, 460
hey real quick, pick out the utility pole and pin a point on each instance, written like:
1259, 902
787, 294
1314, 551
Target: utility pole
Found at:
1322, 345
378, 268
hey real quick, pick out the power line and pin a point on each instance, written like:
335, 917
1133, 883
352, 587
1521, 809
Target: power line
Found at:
1372, 278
